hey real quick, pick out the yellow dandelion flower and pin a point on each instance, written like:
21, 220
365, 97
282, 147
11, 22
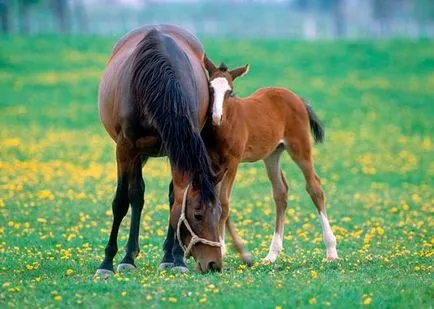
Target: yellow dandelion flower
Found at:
124, 293
312, 301
173, 299
57, 298
367, 300
202, 300
69, 272
314, 274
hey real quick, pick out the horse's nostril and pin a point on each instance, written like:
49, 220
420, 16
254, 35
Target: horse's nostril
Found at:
213, 266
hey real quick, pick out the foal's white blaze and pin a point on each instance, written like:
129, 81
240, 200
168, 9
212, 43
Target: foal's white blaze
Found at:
329, 238
275, 247
220, 85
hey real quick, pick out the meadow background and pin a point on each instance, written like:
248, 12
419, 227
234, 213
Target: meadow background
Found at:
57, 179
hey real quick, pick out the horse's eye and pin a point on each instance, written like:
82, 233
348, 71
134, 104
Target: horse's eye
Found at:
198, 217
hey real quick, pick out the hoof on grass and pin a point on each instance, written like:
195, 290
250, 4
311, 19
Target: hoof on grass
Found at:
269, 259
125, 267
247, 259
104, 273
165, 266
180, 269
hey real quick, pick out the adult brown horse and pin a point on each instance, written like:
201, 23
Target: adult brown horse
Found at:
153, 101
261, 127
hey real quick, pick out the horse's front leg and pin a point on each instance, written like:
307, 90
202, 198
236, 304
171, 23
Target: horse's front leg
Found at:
173, 257
136, 191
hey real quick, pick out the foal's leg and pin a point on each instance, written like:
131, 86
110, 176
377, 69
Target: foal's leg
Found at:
301, 154
280, 195
225, 192
120, 208
245, 255
136, 193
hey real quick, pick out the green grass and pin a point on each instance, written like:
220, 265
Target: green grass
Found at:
57, 178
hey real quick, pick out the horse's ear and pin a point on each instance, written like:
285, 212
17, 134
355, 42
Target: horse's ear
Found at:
239, 72
209, 66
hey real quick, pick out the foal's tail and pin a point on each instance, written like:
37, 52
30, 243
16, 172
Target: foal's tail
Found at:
315, 124
160, 96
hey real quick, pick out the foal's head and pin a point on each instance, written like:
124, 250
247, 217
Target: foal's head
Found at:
221, 81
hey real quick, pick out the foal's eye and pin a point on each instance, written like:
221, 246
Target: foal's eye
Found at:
198, 217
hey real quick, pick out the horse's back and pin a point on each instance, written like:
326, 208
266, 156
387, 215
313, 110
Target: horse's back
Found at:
113, 102
131, 38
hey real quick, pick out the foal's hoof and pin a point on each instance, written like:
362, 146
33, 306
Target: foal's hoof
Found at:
104, 273
180, 269
332, 258
125, 267
165, 266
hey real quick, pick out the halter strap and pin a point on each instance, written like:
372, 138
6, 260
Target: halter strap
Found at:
194, 238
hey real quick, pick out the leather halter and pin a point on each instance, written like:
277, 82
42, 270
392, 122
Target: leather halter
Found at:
194, 238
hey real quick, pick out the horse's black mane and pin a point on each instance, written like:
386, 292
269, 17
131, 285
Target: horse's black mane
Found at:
156, 89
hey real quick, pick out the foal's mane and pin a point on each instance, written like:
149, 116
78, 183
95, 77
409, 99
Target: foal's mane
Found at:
172, 105
223, 67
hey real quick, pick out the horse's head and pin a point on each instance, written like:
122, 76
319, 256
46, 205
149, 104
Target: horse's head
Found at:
221, 81
196, 221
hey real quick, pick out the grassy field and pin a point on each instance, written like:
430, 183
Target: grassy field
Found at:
57, 179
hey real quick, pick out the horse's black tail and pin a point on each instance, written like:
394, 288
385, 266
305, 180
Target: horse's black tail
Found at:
315, 124
157, 91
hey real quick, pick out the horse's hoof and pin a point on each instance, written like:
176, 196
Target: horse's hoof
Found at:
180, 269
125, 267
165, 266
247, 259
104, 273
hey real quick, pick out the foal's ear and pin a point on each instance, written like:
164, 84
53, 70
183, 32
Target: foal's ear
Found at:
239, 72
209, 66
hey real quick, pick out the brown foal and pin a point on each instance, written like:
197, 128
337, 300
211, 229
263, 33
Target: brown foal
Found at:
261, 127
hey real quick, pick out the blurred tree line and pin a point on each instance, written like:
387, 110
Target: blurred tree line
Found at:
382, 11
63, 12
66, 16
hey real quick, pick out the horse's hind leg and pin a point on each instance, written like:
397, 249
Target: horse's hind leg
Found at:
280, 196
136, 193
120, 208
300, 151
